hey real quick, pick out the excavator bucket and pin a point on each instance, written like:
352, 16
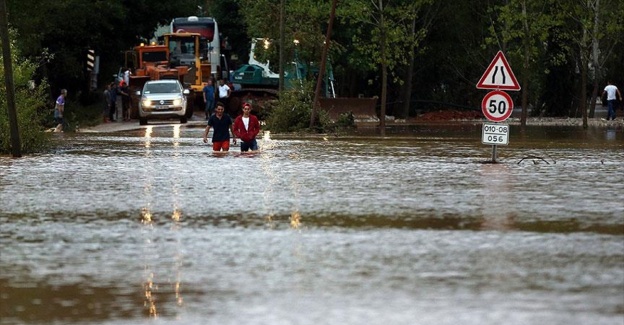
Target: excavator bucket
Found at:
361, 108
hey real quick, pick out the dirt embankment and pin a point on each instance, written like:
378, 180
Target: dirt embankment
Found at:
477, 117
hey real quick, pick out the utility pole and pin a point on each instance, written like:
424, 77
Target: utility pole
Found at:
16, 147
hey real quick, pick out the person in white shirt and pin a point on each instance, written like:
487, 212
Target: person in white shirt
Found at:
224, 93
126, 76
611, 91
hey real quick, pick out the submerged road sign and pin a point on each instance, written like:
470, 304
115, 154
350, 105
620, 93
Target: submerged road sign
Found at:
499, 75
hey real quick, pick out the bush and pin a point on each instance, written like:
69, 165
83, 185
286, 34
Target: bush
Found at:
30, 106
88, 111
293, 111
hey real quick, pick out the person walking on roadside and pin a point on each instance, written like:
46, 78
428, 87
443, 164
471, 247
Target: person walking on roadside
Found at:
221, 124
112, 111
124, 90
107, 103
246, 128
611, 91
209, 98
224, 92
59, 111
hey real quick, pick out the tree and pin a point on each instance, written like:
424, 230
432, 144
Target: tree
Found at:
608, 27
317, 91
384, 36
595, 27
29, 103
523, 26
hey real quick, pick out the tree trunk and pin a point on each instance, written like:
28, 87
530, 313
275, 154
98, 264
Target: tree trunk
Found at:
592, 104
321, 74
595, 57
282, 60
16, 143
384, 73
407, 87
525, 68
583, 103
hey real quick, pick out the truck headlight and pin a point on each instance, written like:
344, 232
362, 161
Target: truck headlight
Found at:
177, 102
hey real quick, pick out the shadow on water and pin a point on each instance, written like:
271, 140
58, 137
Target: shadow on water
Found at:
120, 228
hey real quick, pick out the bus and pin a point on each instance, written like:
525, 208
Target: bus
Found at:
210, 45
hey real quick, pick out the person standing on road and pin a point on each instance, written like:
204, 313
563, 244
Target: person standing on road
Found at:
59, 111
224, 92
125, 100
222, 125
112, 111
209, 98
611, 91
107, 103
246, 128
126, 76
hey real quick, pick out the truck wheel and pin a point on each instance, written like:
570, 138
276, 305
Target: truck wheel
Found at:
183, 120
142, 121
189, 112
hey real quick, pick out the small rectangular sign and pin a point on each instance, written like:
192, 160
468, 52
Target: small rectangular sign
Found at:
495, 134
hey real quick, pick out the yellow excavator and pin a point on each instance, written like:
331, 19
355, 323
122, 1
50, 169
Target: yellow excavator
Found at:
187, 50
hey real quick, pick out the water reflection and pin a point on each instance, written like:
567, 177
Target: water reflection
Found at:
156, 273
611, 134
270, 175
497, 199
148, 136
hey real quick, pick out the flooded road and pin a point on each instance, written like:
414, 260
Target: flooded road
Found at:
150, 227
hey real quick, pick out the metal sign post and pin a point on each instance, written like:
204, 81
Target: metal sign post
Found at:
495, 134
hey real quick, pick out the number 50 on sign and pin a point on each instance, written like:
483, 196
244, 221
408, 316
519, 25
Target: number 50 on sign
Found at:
497, 106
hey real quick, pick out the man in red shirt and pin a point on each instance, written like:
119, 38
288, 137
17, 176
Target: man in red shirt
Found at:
246, 127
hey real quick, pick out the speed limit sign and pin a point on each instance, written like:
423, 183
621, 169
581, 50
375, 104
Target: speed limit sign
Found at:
497, 106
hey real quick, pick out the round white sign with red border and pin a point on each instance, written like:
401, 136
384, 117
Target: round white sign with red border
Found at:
497, 106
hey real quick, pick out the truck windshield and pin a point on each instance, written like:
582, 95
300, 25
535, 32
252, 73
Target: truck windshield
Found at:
154, 56
184, 47
161, 88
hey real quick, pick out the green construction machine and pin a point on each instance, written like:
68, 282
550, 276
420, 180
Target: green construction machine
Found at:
256, 83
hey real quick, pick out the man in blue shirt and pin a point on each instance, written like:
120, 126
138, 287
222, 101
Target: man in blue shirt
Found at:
209, 98
59, 110
222, 126
112, 111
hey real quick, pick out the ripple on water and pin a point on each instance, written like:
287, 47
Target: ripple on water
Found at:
115, 230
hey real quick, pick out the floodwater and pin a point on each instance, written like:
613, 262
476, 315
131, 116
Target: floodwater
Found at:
150, 227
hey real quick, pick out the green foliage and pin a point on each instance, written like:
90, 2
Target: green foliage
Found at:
292, 113
30, 106
346, 120
382, 30
304, 22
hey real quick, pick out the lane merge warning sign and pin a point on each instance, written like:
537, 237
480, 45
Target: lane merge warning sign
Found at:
498, 75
